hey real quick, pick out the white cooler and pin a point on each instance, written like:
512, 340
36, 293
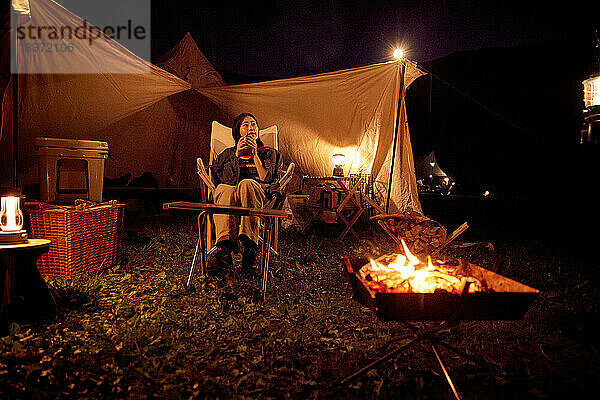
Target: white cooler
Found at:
70, 169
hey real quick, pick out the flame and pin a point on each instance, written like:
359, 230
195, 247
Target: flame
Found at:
430, 266
414, 260
374, 265
407, 274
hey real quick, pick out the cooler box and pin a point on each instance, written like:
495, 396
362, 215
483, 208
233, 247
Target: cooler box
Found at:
70, 169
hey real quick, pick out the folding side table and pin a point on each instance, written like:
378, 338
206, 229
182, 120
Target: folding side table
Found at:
269, 218
348, 199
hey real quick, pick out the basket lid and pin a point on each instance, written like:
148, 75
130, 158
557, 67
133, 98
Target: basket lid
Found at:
76, 144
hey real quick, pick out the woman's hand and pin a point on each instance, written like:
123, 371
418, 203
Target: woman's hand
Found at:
246, 144
260, 169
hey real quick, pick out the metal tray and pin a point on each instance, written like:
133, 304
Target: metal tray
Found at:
509, 299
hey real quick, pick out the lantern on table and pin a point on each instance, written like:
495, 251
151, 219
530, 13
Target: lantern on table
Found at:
338, 164
11, 221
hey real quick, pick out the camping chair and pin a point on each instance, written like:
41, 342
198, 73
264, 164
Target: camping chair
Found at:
221, 138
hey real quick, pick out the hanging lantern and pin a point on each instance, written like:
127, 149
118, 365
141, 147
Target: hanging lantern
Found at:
591, 92
591, 113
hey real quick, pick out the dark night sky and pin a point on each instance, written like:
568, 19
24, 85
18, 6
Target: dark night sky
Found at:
292, 38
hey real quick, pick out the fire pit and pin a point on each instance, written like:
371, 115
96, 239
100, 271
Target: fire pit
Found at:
403, 288
408, 289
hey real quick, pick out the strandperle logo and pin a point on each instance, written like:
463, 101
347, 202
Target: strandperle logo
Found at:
84, 31
83, 36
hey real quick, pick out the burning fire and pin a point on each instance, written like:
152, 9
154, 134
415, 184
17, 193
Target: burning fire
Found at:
405, 273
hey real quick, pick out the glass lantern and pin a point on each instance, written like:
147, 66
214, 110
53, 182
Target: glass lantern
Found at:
590, 131
338, 164
11, 216
591, 92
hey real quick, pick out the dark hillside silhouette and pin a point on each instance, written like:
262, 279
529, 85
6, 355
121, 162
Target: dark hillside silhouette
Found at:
510, 120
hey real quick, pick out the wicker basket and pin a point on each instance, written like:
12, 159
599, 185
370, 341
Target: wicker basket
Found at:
85, 238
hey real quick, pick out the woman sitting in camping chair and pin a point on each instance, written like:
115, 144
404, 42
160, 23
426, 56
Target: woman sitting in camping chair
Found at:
244, 175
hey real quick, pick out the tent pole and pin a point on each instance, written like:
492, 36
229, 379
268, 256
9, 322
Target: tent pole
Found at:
15, 94
396, 125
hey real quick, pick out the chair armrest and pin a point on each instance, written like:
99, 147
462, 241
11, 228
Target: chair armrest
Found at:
204, 176
287, 177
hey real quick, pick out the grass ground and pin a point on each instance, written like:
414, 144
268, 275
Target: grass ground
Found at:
132, 331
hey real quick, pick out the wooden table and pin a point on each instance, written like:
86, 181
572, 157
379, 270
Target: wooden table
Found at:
268, 216
24, 291
348, 201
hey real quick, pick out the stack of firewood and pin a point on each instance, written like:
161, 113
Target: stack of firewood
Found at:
422, 234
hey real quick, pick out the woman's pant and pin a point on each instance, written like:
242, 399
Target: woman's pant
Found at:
248, 193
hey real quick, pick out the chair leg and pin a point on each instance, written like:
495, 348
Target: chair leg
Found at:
272, 249
202, 234
263, 254
200, 245
268, 237
262, 245
212, 250
275, 236
209, 238
189, 280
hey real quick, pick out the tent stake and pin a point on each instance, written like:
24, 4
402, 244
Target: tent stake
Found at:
396, 127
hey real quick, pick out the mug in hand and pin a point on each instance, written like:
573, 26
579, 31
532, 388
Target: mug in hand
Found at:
246, 149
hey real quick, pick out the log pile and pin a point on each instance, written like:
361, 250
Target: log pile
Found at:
422, 234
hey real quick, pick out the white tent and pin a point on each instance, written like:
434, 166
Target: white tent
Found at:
186, 61
427, 165
153, 121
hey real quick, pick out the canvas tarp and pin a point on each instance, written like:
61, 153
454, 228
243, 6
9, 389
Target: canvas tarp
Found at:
166, 137
146, 117
351, 112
